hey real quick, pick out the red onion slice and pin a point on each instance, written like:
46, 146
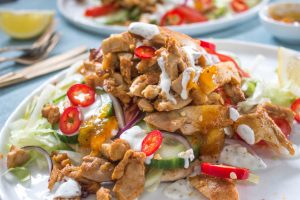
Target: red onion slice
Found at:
118, 111
138, 117
44, 153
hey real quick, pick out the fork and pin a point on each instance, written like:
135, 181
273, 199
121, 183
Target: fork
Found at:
33, 57
40, 43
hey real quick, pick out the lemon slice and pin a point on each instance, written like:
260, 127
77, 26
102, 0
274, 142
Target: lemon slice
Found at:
25, 24
289, 70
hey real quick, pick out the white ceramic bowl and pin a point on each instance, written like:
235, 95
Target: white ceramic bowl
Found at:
289, 33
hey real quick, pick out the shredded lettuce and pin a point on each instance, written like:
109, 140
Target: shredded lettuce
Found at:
260, 92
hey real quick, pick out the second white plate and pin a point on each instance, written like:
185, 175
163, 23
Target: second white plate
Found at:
73, 12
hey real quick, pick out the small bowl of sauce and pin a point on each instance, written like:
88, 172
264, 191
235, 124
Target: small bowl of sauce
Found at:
282, 20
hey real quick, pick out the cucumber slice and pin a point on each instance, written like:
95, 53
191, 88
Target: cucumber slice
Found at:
107, 106
168, 153
143, 125
194, 141
72, 139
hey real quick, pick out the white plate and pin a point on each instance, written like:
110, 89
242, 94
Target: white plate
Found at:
73, 12
280, 181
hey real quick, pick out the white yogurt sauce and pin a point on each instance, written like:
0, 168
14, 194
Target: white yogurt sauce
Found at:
165, 81
182, 189
237, 155
188, 157
147, 31
233, 114
68, 189
93, 109
246, 133
135, 136
186, 76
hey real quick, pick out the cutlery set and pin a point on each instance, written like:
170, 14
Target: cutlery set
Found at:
35, 58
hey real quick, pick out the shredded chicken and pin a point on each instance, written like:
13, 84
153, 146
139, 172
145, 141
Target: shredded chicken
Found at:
60, 161
130, 176
103, 194
96, 169
16, 157
264, 128
191, 119
215, 188
116, 150
51, 113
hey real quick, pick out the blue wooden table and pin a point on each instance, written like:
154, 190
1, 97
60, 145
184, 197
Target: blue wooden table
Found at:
10, 97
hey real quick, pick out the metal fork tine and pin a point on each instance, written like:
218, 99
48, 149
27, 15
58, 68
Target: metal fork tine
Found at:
45, 36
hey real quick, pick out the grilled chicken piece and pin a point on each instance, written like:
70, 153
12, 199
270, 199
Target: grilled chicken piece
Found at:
265, 129
130, 176
234, 92
164, 105
215, 188
148, 65
151, 92
191, 119
103, 194
51, 113
74, 172
144, 105
126, 65
96, 169
118, 90
60, 161
116, 43
16, 157
218, 75
116, 150
141, 82
279, 112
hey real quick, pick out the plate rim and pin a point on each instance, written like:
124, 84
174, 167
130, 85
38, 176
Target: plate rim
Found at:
191, 29
17, 112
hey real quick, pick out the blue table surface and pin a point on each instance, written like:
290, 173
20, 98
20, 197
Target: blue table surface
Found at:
11, 97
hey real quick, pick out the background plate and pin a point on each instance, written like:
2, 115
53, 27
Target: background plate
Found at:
73, 12
280, 181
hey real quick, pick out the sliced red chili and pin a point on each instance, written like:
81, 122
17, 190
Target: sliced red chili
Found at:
172, 17
296, 108
81, 95
152, 142
239, 6
208, 45
70, 120
190, 15
144, 52
284, 126
98, 11
225, 171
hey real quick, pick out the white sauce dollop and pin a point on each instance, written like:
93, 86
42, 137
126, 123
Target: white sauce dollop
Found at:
182, 189
233, 114
165, 81
237, 155
246, 133
147, 31
92, 110
188, 157
68, 189
135, 136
